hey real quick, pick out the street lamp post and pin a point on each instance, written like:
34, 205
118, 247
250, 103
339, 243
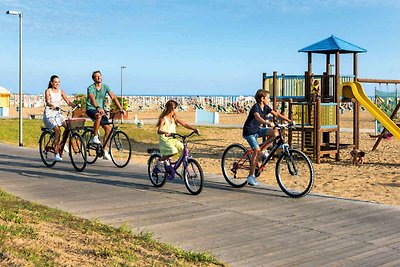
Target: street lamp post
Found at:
19, 14
122, 100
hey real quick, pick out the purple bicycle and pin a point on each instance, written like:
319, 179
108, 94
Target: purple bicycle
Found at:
191, 173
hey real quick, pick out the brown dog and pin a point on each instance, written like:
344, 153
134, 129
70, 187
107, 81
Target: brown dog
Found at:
358, 156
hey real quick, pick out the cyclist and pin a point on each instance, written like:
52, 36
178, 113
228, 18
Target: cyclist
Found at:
52, 116
96, 94
252, 130
166, 127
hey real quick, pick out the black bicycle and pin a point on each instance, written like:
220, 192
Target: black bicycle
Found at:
294, 171
77, 152
118, 143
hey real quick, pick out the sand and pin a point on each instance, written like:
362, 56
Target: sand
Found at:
378, 180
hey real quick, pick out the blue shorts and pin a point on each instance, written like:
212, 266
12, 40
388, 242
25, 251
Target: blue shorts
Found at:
252, 138
91, 114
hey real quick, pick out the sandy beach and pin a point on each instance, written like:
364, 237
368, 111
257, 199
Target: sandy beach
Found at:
378, 180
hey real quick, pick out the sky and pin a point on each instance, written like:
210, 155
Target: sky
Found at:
189, 47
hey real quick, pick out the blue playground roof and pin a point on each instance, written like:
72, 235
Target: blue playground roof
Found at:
331, 45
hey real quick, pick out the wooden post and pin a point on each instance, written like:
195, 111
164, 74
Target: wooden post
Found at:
303, 134
283, 94
290, 132
356, 109
325, 84
263, 80
307, 78
307, 86
274, 89
337, 101
317, 137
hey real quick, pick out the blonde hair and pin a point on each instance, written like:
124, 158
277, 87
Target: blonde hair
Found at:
169, 107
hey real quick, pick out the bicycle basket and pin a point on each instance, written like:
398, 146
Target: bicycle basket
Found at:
75, 123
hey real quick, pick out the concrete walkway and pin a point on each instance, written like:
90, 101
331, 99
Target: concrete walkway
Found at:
243, 227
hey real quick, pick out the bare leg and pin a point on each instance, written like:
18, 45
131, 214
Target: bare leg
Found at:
57, 134
96, 125
254, 161
107, 131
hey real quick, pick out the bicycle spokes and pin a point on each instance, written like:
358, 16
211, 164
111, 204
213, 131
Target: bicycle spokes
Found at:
120, 149
235, 165
294, 173
46, 148
77, 152
291, 164
157, 177
193, 177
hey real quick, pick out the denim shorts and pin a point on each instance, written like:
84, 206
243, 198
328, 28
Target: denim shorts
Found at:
252, 138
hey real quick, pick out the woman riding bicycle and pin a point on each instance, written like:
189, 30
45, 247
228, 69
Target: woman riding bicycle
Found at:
52, 116
252, 130
166, 127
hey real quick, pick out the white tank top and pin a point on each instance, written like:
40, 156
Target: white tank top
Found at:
169, 126
55, 98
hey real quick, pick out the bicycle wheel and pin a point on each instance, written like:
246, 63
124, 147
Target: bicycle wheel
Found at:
157, 178
120, 149
77, 151
91, 149
294, 173
235, 165
193, 177
46, 148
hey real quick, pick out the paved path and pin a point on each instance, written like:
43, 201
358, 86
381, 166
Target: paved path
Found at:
243, 227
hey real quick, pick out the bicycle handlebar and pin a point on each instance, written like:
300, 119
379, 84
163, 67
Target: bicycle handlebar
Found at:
174, 135
287, 125
68, 110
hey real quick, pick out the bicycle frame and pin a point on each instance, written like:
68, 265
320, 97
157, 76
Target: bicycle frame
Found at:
293, 169
65, 134
171, 169
280, 143
114, 128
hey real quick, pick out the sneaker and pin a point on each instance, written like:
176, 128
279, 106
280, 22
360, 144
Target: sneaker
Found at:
96, 140
251, 180
57, 157
161, 166
106, 155
66, 148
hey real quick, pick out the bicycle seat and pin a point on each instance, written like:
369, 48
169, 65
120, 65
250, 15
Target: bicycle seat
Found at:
153, 150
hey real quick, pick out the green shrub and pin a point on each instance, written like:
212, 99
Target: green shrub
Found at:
124, 104
81, 100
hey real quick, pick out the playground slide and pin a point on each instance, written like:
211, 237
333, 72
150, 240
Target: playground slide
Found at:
355, 90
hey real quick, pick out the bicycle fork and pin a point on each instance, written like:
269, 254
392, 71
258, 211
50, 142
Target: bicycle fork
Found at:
290, 161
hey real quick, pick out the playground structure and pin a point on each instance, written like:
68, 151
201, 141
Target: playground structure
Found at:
318, 113
389, 104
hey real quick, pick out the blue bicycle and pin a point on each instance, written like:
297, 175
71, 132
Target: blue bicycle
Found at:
191, 173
